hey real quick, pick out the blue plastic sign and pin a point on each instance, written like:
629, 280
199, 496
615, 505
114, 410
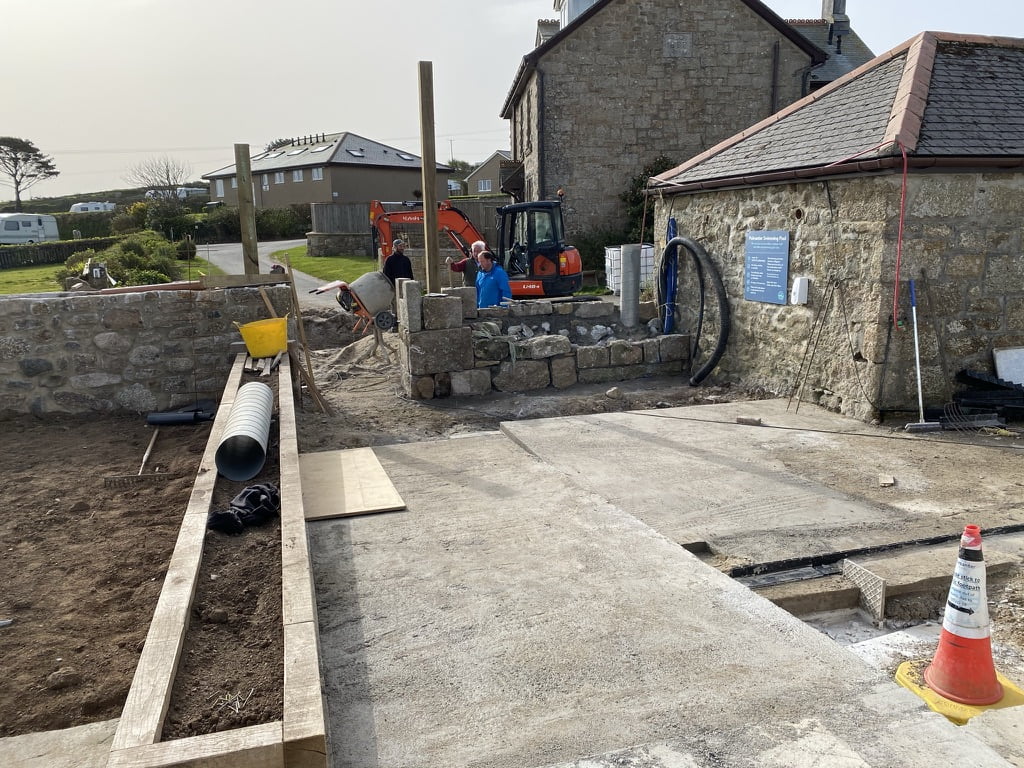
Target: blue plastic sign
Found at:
766, 272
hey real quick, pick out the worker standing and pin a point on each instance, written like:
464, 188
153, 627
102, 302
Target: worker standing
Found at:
468, 266
397, 264
492, 286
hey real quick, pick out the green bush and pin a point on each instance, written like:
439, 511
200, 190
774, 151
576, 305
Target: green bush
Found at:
143, 258
129, 219
95, 224
281, 223
592, 244
167, 216
221, 226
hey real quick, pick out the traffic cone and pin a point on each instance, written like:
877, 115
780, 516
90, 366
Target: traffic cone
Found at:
962, 669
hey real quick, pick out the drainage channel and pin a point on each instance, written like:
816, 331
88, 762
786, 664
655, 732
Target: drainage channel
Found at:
855, 611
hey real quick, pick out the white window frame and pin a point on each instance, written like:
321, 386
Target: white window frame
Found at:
297, 175
220, 187
317, 174
483, 185
279, 177
266, 181
234, 182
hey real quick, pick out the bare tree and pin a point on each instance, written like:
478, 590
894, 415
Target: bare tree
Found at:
160, 173
24, 164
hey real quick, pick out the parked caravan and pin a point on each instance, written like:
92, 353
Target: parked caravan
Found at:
27, 228
90, 207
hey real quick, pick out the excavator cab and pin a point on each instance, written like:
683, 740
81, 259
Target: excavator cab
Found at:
532, 249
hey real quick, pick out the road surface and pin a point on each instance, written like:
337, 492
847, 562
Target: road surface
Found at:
228, 256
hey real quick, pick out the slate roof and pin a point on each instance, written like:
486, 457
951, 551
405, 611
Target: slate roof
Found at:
328, 149
852, 51
529, 62
946, 99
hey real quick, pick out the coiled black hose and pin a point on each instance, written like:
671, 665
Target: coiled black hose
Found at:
702, 265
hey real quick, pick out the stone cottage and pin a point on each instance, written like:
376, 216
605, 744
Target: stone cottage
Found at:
625, 81
909, 168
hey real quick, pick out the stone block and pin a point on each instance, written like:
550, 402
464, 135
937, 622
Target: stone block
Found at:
590, 309
615, 373
468, 296
34, 366
563, 308
442, 385
563, 371
475, 382
433, 352
542, 347
625, 353
418, 387
492, 313
441, 312
674, 346
652, 350
522, 376
591, 357
410, 306
494, 349
530, 308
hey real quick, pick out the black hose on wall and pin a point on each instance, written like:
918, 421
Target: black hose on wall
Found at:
704, 265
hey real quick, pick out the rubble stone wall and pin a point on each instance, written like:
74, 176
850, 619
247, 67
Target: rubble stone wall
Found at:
132, 352
449, 347
962, 244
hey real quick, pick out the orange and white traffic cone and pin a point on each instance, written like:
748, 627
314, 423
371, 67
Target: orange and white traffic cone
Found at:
962, 669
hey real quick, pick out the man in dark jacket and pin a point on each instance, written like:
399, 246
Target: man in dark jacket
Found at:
397, 264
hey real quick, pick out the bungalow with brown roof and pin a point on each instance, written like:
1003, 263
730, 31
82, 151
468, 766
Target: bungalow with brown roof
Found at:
909, 168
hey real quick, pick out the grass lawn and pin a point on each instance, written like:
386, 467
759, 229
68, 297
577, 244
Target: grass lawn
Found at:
326, 268
39, 278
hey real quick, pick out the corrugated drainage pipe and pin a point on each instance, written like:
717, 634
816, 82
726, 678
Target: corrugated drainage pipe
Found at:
243, 449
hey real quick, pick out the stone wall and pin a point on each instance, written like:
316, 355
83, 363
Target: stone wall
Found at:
640, 79
449, 347
136, 352
962, 244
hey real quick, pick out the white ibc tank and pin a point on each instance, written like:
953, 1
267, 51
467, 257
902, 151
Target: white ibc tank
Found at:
613, 267
373, 291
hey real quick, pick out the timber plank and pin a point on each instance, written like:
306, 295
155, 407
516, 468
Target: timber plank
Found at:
257, 746
146, 705
304, 732
344, 483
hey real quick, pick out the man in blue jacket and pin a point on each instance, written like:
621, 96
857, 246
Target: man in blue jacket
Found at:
492, 288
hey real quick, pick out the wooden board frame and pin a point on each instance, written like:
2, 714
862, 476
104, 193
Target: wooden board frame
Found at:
300, 741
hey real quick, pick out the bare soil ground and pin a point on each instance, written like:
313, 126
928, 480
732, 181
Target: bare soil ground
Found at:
83, 563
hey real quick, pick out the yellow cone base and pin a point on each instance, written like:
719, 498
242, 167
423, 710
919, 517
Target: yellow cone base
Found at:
910, 674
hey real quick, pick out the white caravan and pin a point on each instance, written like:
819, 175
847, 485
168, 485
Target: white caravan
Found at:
27, 228
89, 207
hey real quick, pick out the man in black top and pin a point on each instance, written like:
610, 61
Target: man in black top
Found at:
397, 264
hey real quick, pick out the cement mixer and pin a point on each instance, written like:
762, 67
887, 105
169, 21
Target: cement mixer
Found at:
369, 297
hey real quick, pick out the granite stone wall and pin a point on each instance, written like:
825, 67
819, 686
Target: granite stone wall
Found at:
134, 352
641, 79
962, 243
449, 347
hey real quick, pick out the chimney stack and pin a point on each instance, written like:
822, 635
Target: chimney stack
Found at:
834, 12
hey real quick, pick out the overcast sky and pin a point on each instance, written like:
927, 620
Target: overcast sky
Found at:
105, 84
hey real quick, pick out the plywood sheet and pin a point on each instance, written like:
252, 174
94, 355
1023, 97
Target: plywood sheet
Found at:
345, 483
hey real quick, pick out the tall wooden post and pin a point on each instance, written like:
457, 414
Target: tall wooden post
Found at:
246, 210
428, 153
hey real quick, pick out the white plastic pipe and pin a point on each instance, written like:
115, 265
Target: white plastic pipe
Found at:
243, 448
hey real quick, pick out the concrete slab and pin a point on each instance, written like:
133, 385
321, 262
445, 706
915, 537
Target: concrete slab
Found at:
86, 746
535, 609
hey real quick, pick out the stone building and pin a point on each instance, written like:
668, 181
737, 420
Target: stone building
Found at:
909, 168
624, 81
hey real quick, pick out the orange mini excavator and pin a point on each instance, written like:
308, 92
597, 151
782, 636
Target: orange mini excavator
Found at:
531, 242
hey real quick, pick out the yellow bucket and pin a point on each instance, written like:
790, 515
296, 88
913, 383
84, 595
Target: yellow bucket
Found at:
265, 338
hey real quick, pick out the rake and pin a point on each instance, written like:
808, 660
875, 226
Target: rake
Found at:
123, 481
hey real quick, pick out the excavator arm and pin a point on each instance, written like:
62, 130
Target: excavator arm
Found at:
450, 221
